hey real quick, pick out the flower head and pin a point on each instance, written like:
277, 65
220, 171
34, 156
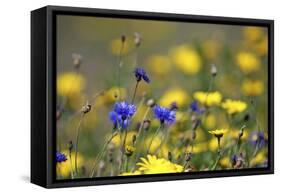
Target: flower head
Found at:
252, 87
257, 138
218, 132
208, 98
234, 106
248, 62
154, 165
165, 115
195, 107
121, 114
140, 74
60, 157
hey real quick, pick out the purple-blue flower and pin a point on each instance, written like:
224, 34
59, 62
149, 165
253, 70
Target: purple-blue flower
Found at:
165, 115
60, 157
195, 107
121, 114
141, 74
257, 138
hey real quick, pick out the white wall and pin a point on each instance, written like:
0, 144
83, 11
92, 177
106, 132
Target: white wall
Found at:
15, 89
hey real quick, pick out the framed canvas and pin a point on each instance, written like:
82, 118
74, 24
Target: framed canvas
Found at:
125, 96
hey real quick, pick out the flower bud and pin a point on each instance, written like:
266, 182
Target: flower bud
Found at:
138, 39
76, 60
150, 103
146, 124
214, 70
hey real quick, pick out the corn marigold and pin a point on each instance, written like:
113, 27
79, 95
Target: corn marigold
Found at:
154, 165
234, 106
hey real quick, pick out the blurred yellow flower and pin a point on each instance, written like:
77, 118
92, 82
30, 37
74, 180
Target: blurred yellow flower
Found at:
116, 44
248, 62
111, 96
70, 84
234, 106
261, 47
235, 134
155, 145
177, 95
225, 162
252, 34
186, 59
259, 159
154, 165
137, 172
64, 168
210, 49
129, 150
208, 99
117, 141
252, 87
218, 132
159, 64
197, 148
213, 144
210, 121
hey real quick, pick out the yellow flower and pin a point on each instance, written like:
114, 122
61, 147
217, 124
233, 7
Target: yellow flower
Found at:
137, 172
210, 121
177, 95
70, 84
208, 99
159, 64
252, 34
116, 44
252, 87
225, 162
111, 96
155, 145
259, 159
117, 141
261, 47
186, 59
248, 62
64, 168
218, 132
197, 148
154, 165
234, 106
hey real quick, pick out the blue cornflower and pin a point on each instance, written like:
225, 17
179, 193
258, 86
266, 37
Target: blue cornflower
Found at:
165, 115
141, 74
60, 157
121, 114
234, 159
195, 107
257, 138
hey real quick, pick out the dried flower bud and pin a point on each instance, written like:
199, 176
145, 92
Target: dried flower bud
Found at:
58, 114
86, 108
188, 156
247, 117
146, 124
76, 60
70, 146
123, 38
214, 70
170, 156
138, 39
193, 134
150, 103
129, 150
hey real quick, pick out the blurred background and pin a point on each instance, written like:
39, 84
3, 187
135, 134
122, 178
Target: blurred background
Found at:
178, 58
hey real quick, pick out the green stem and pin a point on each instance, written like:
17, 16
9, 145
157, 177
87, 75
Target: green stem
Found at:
135, 91
100, 155
77, 142
154, 135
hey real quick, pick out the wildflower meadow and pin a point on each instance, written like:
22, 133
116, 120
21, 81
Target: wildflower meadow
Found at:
140, 97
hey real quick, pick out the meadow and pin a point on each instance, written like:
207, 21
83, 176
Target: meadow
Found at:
141, 97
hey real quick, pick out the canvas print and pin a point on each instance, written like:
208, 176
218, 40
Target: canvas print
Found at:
143, 97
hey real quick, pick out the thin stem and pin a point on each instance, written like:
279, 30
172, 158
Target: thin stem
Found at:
123, 149
71, 168
119, 69
135, 91
163, 140
143, 119
77, 139
219, 155
100, 155
154, 135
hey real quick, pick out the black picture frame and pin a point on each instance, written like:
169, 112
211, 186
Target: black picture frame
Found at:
43, 95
